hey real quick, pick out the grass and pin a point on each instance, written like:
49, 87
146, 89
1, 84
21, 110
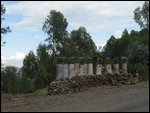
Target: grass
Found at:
145, 83
41, 92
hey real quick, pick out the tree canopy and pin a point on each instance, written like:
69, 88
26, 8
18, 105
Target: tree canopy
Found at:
4, 30
55, 26
141, 15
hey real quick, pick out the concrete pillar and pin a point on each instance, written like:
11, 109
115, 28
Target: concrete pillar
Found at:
70, 70
116, 69
90, 69
81, 70
85, 69
65, 71
77, 69
108, 69
98, 69
108, 66
124, 65
59, 71
124, 69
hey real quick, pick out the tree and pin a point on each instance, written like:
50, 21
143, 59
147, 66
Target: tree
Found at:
124, 43
55, 26
4, 30
138, 53
144, 36
138, 59
44, 64
41, 80
109, 47
141, 16
69, 49
10, 79
83, 42
30, 68
42, 55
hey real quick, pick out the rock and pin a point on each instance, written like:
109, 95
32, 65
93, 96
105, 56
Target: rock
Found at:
78, 83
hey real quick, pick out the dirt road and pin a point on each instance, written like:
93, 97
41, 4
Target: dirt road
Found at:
103, 98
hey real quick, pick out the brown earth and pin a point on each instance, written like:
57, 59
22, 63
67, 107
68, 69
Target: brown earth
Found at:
102, 98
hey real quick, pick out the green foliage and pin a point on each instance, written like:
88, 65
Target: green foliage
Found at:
108, 60
144, 37
143, 71
134, 46
10, 80
109, 48
41, 92
30, 65
39, 71
138, 53
69, 49
141, 15
44, 62
4, 30
83, 42
124, 43
116, 60
30, 68
124, 59
117, 47
55, 26
41, 79
25, 86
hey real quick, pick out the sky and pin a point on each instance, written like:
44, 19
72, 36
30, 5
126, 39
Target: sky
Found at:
25, 18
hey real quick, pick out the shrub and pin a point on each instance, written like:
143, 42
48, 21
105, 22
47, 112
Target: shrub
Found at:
143, 71
41, 92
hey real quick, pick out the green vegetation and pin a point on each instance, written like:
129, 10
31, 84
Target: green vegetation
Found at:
41, 92
38, 70
4, 30
141, 15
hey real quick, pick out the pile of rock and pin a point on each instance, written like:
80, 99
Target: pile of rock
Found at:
79, 83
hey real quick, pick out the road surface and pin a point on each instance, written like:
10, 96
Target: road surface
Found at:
132, 98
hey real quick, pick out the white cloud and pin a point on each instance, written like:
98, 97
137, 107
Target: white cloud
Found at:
16, 60
3, 59
18, 56
94, 15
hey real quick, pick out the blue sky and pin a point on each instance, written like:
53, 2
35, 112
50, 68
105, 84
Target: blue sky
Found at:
25, 18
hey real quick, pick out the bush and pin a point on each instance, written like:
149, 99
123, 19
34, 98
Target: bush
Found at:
143, 71
123, 59
116, 60
41, 92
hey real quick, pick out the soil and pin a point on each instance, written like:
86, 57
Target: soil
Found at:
102, 98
